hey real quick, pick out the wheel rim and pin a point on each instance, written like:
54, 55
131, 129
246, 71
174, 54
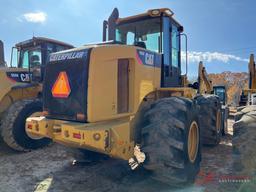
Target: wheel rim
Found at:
193, 141
30, 135
218, 121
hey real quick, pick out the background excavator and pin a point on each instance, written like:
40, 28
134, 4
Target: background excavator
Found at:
248, 96
21, 89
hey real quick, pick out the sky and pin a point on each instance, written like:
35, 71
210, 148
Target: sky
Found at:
221, 33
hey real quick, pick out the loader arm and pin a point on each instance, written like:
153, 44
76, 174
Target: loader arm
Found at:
205, 84
252, 73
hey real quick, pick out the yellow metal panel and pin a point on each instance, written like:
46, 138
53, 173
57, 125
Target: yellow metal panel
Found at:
146, 87
180, 91
102, 83
6, 84
9, 95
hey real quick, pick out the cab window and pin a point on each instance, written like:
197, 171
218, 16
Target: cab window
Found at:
175, 46
221, 92
54, 48
144, 33
30, 58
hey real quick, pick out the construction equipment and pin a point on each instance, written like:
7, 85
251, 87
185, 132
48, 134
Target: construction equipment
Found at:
21, 90
210, 120
126, 98
244, 127
248, 96
220, 90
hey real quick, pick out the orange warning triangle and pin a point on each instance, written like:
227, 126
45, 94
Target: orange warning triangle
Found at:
61, 88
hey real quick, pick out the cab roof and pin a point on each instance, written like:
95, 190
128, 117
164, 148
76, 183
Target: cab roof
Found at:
150, 13
38, 40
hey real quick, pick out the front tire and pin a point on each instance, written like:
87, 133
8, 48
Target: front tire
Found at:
210, 119
13, 126
171, 155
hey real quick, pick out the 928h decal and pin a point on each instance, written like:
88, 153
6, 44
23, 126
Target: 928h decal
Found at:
148, 58
19, 76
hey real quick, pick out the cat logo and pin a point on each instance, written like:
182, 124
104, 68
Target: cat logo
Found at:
24, 77
149, 59
61, 88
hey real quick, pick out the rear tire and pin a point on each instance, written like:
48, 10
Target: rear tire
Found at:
13, 126
224, 120
165, 141
210, 119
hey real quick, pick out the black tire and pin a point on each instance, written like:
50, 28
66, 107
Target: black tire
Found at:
224, 125
165, 141
13, 126
210, 119
224, 120
244, 142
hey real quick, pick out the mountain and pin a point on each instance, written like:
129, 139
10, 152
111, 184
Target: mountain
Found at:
234, 82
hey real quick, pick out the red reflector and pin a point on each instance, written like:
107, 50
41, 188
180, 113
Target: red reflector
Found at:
30, 126
80, 117
61, 87
44, 113
77, 135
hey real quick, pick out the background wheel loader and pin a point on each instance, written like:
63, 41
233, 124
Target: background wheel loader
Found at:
126, 98
21, 90
248, 96
220, 90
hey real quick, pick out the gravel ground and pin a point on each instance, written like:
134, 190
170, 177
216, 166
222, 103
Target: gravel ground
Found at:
51, 169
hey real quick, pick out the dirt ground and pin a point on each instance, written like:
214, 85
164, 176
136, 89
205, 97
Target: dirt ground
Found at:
51, 169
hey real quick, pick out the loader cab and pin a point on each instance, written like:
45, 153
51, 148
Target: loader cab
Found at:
220, 91
156, 31
32, 55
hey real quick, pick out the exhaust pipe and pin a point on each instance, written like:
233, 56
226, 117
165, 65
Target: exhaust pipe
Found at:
112, 24
2, 61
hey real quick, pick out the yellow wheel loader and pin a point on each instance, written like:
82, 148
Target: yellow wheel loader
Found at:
220, 91
21, 90
126, 98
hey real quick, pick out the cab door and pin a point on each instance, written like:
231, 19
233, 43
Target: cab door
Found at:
171, 70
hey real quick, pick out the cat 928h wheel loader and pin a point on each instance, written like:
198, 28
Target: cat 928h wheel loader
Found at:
21, 90
126, 98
